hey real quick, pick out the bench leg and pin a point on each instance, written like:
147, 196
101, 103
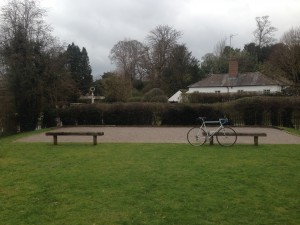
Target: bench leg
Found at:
55, 139
95, 139
256, 140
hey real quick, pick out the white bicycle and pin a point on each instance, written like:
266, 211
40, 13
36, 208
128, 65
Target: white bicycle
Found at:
225, 135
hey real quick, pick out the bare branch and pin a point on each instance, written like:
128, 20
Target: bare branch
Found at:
264, 33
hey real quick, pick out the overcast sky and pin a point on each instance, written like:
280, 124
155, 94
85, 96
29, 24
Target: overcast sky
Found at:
98, 25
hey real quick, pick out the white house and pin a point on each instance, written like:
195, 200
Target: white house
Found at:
234, 82
245, 82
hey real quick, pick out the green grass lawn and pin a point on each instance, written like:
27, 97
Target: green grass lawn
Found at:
122, 184
291, 130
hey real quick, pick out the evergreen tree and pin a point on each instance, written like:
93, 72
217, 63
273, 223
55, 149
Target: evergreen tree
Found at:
23, 40
24, 76
79, 67
86, 71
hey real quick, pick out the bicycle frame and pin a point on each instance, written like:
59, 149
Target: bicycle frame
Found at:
208, 133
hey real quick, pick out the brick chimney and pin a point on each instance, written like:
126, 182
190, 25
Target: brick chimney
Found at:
233, 67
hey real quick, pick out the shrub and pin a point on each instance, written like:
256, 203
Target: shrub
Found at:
68, 116
49, 117
251, 109
128, 114
155, 95
186, 114
90, 115
279, 111
135, 99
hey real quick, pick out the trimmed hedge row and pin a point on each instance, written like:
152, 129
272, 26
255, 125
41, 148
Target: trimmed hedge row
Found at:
279, 111
181, 114
109, 114
135, 114
275, 111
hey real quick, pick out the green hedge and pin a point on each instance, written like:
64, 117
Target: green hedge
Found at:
128, 114
277, 111
49, 117
108, 114
181, 114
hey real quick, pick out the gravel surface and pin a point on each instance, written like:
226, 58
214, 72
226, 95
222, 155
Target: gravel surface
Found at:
114, 134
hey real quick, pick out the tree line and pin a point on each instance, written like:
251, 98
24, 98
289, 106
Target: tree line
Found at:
39, 71
42, 74
162, 62
279, 60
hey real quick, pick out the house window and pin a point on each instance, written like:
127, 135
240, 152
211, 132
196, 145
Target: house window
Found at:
217, 92
267, 91
240, 91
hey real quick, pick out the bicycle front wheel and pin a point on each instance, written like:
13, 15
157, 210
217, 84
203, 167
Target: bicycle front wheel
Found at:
196, 136
226, 136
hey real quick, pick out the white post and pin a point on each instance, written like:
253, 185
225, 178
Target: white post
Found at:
92, 89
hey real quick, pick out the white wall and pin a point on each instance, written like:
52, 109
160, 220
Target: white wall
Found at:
272, 89
176, 97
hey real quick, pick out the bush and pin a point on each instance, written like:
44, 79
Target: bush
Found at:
155, 95
68, 116
251, 109
275, 111
49, 117
90, 115
128, 114
135, 99
279, 111
186, 114
9, 125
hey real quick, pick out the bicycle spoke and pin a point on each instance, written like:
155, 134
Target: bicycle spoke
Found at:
196, 136
226, 136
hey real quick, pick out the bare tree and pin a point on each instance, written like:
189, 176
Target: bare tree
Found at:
264, 32
286, 56
220, 47
115, 89
128, 56
28, 16
161, 42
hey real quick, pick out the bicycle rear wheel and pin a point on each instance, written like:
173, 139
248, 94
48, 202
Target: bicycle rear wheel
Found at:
196, 136
226, 136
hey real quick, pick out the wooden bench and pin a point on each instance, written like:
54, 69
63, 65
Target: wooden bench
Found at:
255, 135
94, 134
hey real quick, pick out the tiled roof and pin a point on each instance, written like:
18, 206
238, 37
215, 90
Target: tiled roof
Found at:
243, 79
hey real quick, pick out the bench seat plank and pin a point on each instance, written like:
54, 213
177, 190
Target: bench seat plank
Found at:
255, 135
252, 134
242, 134
75, 133
94, 134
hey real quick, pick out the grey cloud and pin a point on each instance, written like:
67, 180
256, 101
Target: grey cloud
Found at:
98, 25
